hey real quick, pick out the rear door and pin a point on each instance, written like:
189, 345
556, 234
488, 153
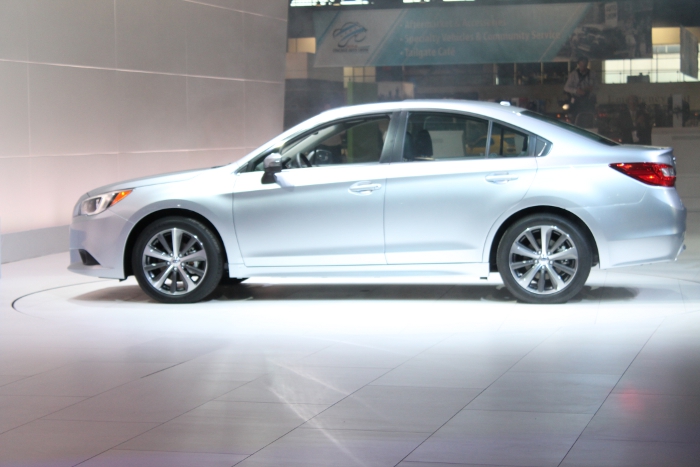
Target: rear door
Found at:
457, 175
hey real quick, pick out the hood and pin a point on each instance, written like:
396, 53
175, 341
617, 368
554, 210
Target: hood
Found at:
152, 180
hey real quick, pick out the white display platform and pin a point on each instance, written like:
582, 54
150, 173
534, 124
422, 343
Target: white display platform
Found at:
408, 373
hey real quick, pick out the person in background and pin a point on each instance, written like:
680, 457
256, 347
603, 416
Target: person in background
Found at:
643, 124
580, 87
625, 122
636, 124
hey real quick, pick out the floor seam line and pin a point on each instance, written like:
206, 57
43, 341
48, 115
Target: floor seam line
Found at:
348, 395
475, 397
609, 393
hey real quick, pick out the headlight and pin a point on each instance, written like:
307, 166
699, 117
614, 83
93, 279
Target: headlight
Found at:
99, 203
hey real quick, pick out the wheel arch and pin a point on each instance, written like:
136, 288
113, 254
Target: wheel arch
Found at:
154, 216
568, 215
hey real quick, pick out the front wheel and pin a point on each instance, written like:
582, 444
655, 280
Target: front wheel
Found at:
544, 259
178, 260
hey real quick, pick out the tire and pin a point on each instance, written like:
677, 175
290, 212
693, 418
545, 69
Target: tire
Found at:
536, 275
170, 273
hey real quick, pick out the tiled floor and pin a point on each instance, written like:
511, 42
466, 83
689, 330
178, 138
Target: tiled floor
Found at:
413, 373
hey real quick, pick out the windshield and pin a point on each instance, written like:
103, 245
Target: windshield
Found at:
573, 128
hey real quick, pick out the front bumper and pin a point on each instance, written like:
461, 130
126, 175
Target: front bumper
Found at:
104, 238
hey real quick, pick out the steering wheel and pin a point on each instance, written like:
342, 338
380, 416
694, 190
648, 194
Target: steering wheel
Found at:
321, 157
302, 160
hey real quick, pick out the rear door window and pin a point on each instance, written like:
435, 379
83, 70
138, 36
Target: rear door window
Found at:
438, 136
508, 142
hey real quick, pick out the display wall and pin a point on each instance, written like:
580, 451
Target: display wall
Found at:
96, 91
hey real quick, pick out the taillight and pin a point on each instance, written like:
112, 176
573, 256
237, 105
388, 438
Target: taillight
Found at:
648, 172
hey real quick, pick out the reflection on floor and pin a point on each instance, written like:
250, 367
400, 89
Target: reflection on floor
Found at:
414, 373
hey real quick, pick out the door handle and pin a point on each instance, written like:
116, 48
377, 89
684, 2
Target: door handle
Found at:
364, 188
501, 178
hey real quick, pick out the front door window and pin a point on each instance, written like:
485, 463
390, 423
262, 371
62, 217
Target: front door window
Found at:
345, 142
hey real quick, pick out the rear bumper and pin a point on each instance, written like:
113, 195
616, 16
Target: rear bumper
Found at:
646, 250
650, 231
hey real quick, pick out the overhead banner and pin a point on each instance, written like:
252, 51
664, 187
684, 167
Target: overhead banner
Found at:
689, 53
483, 34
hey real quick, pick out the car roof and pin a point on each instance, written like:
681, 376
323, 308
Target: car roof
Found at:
507, 114
487, 109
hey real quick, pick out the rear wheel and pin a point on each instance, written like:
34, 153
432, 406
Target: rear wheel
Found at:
178, 260
544, 259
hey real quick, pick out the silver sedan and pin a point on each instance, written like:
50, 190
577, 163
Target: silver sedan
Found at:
407, 188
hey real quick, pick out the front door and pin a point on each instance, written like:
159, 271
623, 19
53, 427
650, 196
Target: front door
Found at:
326, 207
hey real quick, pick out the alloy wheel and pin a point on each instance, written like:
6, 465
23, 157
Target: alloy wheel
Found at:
543, 259
174, 261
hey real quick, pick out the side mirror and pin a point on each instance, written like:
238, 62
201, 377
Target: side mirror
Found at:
273, 164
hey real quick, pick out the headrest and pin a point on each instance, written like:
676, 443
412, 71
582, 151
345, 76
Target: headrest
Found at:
423, 144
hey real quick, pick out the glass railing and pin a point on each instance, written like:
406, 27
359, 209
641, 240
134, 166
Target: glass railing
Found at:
664, 67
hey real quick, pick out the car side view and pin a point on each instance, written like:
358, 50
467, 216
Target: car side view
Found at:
402, 188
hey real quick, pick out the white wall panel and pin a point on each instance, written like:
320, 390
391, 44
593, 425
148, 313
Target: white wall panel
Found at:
15, 193
14, 109
215, 44
215, 113
72, 110
13, 29
228, 4
273, 8
152, 112
263, 118
58, 181
151, 35
215, 158
151, 163
264, 60
95, 91
34, 243
76, 32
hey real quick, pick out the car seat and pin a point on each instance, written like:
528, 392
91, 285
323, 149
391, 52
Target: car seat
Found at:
423, 144
409, 152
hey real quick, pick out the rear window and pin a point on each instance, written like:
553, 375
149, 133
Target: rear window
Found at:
573, 128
